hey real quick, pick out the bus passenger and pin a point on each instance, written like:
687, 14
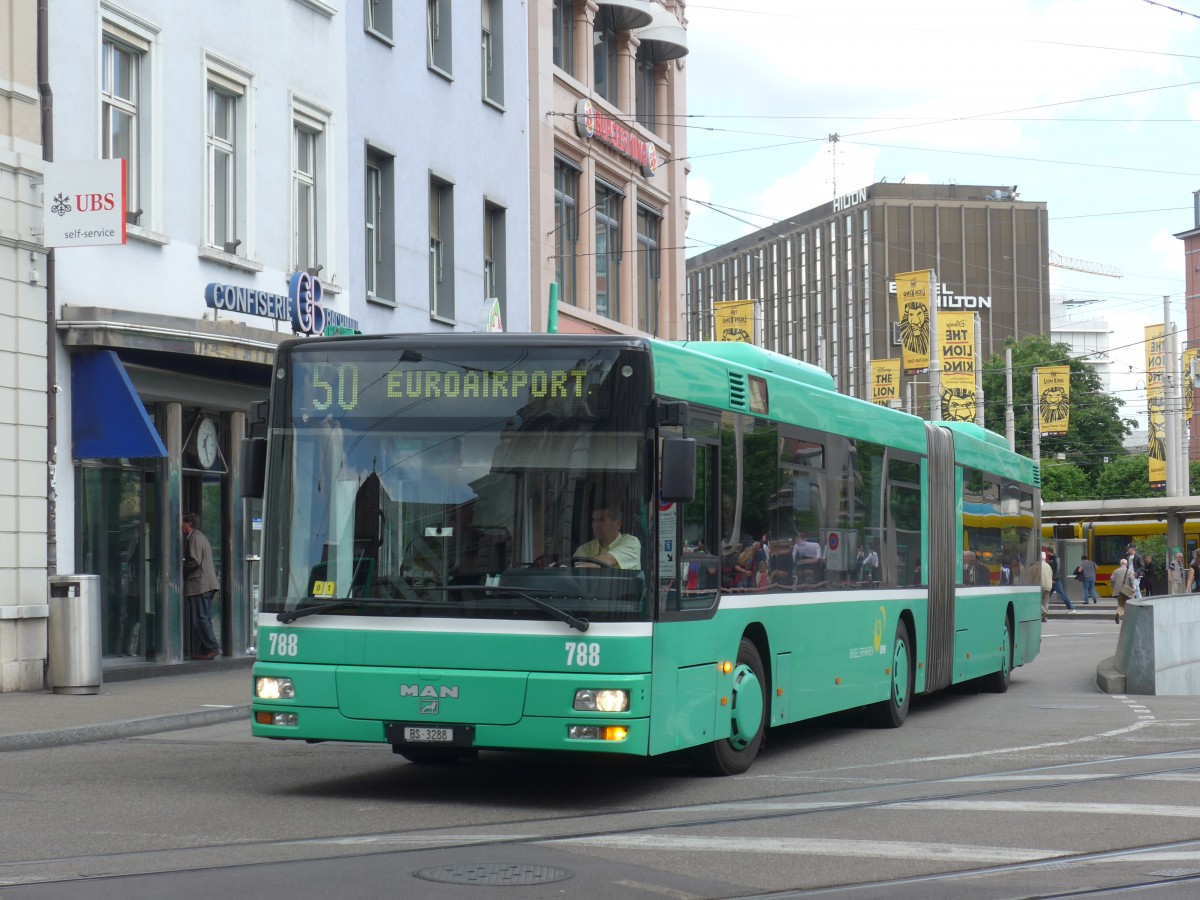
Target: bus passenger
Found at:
610, 545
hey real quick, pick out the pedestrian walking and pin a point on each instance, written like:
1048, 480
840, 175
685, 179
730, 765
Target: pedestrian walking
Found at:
1122, 587
1176, 573
1149, 580
1047, 586
1056, 571
1086, 573
199, 586
1137, 566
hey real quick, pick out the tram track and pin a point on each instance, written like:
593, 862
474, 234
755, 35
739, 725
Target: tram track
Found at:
602, 827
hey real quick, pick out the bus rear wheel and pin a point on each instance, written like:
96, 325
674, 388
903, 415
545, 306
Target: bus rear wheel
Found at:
892, 712
748, 718
997, 682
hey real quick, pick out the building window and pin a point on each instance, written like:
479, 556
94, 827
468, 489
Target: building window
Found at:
645, 99
123, 57
379, 219
494, 256
564, 35
492, 12
437, 14
649, 227
604, 45
226, 155
566, 228
377, 17
608, 251
304, 199
441, 249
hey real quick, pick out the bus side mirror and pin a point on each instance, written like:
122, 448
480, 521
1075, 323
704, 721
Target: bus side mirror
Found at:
253, 467
678, 469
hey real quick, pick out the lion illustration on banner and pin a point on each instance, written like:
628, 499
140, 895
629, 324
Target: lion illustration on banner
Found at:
958, 405
914, 328
1056, 404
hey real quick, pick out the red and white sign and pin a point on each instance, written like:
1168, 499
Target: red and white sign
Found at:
84, 203
591, 123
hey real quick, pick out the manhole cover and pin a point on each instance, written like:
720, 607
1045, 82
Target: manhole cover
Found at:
493, 874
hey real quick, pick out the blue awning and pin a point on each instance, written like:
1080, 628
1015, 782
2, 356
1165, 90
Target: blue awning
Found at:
108, 420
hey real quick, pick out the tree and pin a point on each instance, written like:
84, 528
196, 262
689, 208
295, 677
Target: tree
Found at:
1096, 428
1064, 481
1125, 476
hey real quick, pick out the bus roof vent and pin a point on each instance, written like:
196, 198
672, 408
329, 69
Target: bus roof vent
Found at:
738, 393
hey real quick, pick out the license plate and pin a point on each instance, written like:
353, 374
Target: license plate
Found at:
450, 735
428, 735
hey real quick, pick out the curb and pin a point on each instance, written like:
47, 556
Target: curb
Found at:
110, 731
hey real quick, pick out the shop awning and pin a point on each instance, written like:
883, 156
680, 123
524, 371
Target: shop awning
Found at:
667, 39
108, 420
630, 14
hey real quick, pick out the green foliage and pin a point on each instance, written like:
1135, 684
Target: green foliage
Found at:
1125, 477
1096, 428
1064, 481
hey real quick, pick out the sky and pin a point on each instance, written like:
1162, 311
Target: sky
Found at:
1091, 106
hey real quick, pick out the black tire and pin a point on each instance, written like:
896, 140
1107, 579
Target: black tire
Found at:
997, 682
748, 711
892, 712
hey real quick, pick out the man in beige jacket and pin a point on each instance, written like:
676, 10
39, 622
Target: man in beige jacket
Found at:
199, 585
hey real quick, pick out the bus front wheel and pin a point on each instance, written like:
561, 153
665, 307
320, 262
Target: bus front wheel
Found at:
748, 713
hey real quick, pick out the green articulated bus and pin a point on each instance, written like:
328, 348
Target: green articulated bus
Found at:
617, 544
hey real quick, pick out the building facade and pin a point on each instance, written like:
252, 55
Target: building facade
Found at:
607, 100
823, 281
1191, 268
1087, 336
25, 480
370, 159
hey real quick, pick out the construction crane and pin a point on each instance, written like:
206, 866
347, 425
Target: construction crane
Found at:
1083, 265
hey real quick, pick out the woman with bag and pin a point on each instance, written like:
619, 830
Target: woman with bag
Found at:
1122, 587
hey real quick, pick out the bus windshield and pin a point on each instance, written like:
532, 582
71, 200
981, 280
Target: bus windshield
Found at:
435, 479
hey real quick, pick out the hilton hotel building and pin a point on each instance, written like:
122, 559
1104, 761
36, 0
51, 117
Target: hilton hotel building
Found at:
823, 280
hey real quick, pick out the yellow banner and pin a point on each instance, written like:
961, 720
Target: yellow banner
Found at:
914, 291
1188, 387
1156, 437
1156, 373
885, 380
1054, 397
956, 352
734, 320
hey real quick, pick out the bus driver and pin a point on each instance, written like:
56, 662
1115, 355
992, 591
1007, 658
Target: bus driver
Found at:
610, 545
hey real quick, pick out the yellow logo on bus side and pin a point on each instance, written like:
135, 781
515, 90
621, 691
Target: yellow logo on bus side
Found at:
879, 625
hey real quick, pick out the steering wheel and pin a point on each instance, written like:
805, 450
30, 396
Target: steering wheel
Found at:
591, 560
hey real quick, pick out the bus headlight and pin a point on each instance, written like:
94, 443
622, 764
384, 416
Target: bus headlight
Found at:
271, 688
609, 701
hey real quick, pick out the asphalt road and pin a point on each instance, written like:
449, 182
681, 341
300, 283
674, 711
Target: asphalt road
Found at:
1049, 789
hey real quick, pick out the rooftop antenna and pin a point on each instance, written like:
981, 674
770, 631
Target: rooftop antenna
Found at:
833, 140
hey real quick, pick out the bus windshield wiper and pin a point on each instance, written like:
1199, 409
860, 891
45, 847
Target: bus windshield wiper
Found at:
291, 615
554, 612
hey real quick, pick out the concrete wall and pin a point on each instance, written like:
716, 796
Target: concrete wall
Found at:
1158, 651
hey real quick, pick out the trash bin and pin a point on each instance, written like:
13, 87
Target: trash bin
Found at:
73, 634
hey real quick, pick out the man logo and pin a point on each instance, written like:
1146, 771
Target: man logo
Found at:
428, 707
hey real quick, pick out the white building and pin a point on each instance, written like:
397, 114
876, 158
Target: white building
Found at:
1087, 335
379, 147
23, 408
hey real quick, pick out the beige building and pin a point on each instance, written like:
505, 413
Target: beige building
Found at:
607, 101
24, 422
